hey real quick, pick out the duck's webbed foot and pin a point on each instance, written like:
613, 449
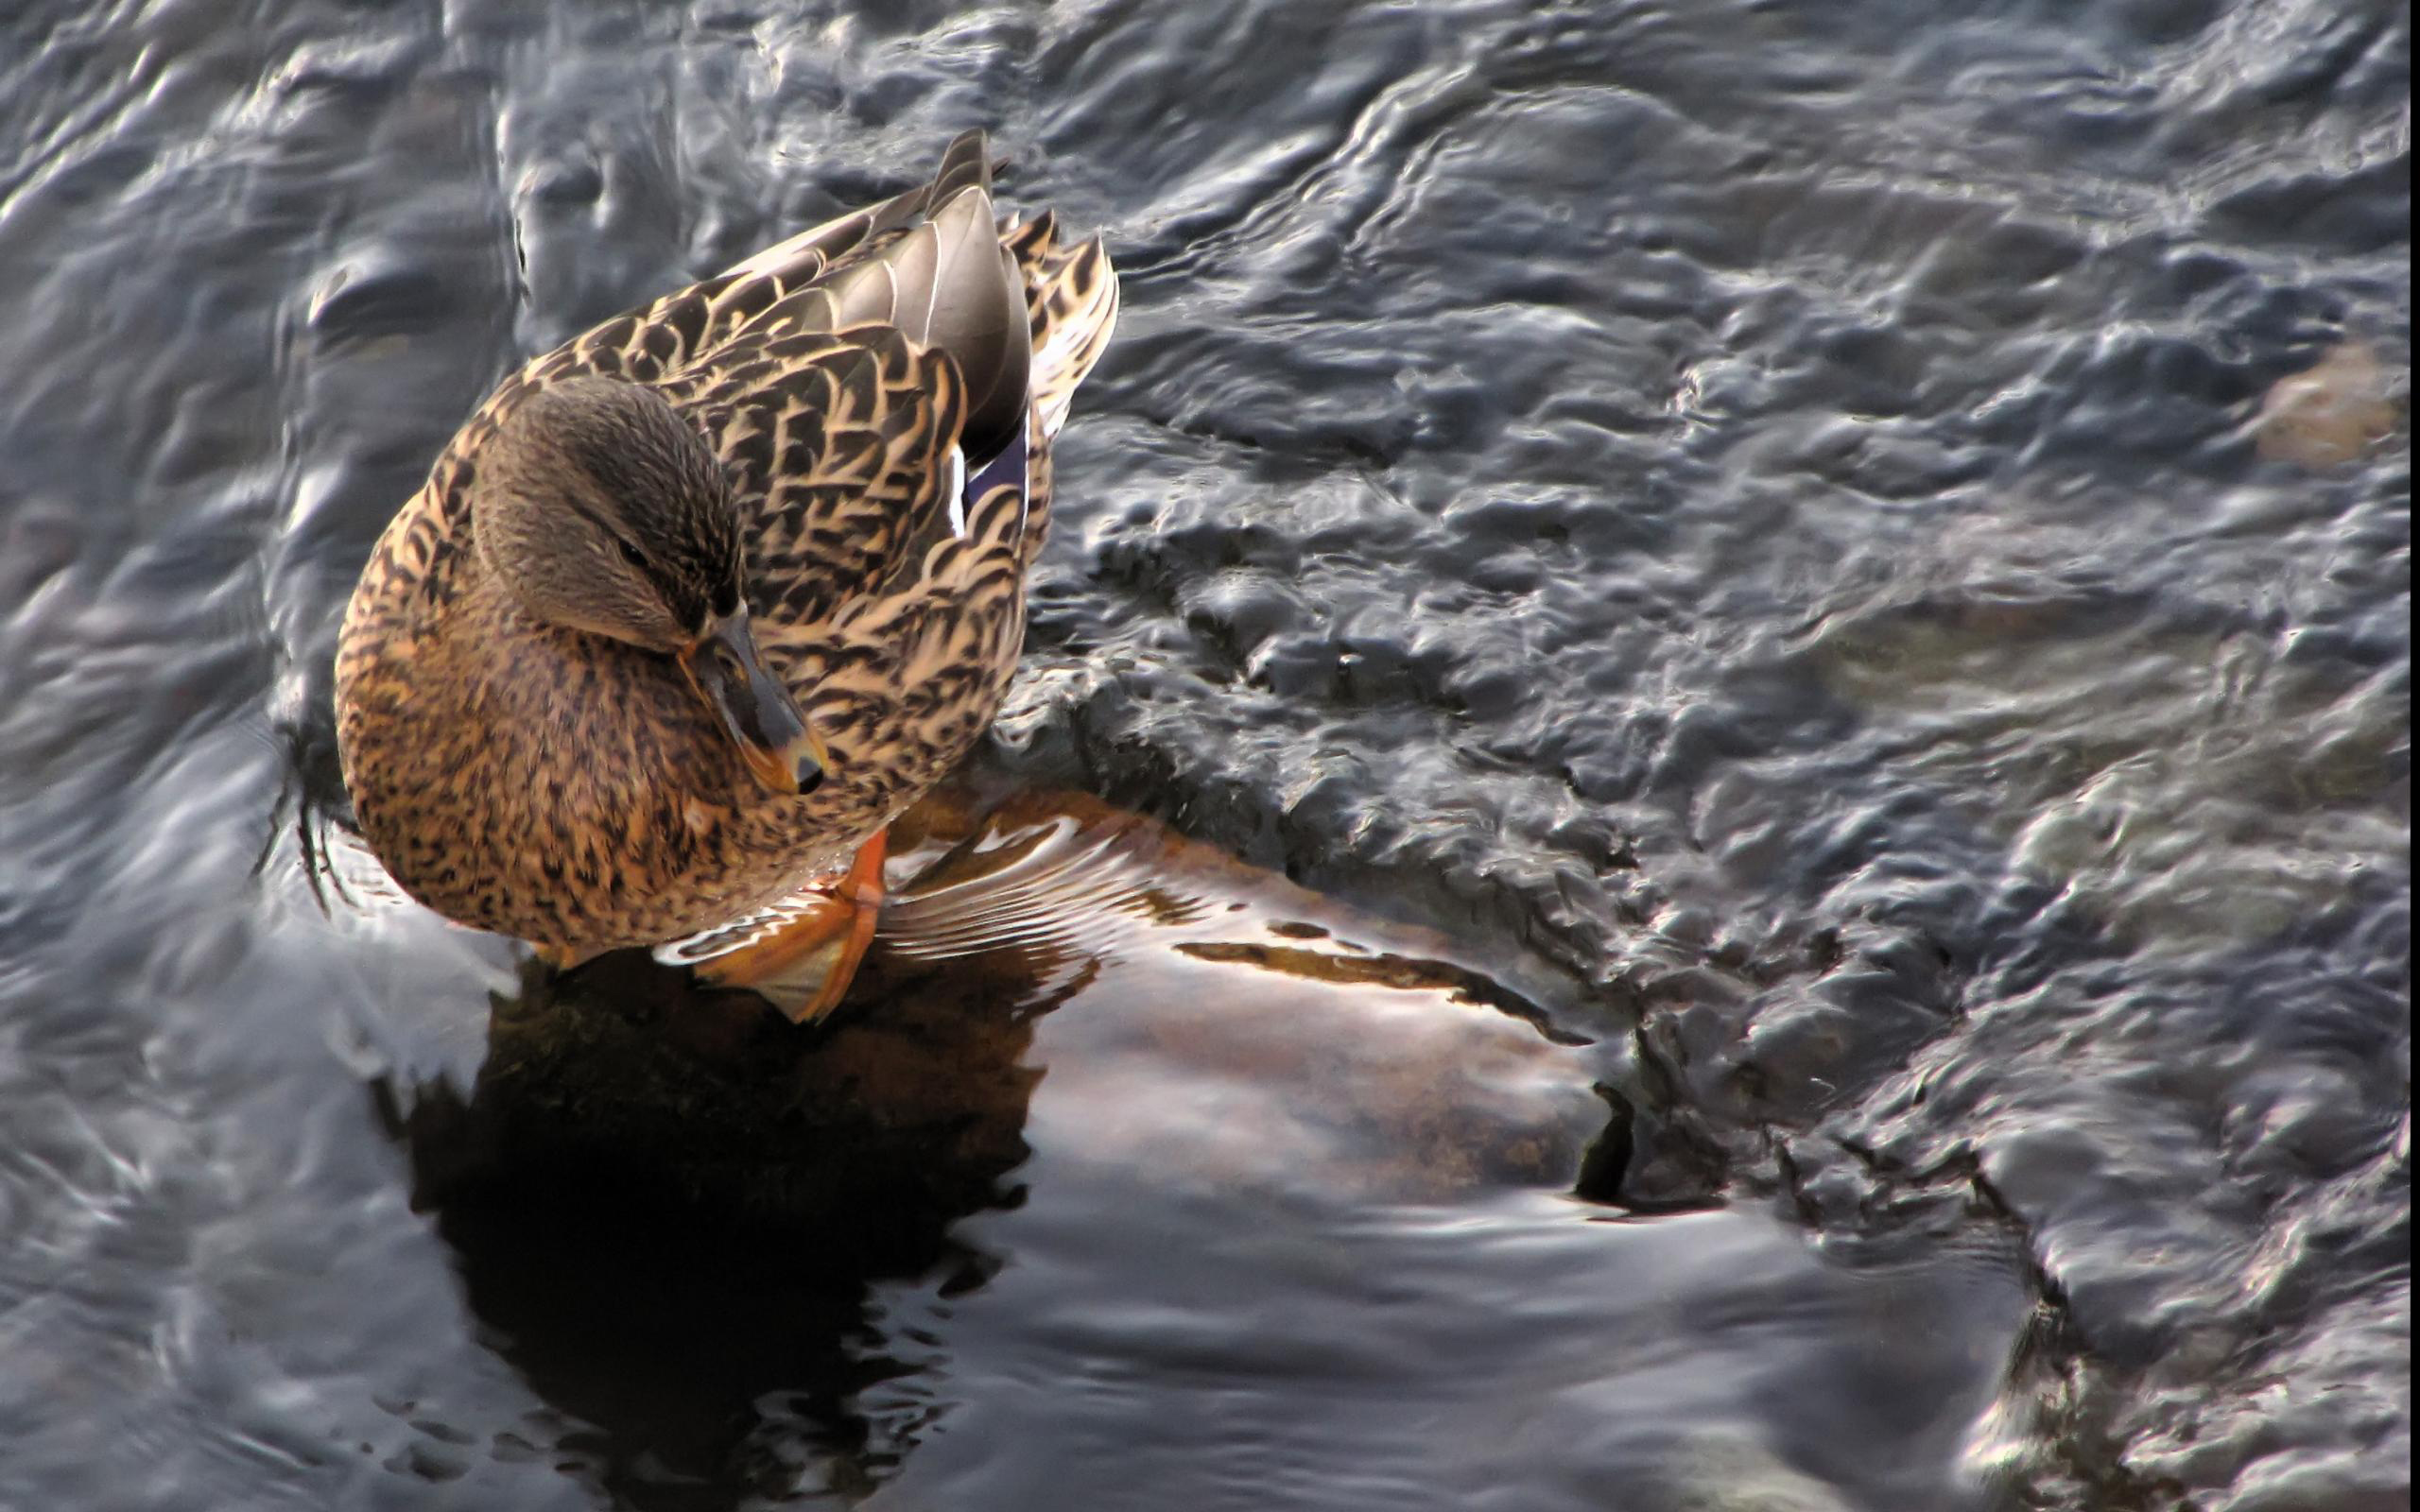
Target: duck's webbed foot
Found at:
802, 953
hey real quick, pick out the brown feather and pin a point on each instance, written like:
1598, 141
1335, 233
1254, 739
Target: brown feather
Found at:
571, 789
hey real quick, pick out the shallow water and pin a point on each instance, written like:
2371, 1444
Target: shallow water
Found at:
1763, 527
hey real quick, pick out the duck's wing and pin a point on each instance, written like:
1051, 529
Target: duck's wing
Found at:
931, 263
855, 409
942, 290
868, 381
841, 445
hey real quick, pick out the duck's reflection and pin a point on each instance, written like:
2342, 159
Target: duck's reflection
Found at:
675, 1330
669, 1204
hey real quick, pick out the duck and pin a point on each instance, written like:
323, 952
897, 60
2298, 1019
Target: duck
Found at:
694, 605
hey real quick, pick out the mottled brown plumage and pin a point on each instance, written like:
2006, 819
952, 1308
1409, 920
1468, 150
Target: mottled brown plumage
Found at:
520, 771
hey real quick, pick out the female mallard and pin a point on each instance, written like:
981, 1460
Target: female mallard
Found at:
694, 605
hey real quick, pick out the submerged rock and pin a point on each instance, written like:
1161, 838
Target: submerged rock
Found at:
1057, 975
2330, 412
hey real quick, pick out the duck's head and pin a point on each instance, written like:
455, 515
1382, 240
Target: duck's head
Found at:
600, 510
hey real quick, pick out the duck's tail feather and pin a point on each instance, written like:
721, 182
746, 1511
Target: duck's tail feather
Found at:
1071, 308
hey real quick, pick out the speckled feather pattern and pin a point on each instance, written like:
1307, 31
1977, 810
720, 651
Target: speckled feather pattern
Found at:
571, 790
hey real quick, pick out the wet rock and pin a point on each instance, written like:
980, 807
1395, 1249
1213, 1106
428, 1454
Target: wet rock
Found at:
1184, 1011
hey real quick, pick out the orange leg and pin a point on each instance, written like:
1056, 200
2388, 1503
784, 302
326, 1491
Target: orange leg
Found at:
806, 967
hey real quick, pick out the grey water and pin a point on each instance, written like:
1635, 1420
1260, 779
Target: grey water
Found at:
1766, 524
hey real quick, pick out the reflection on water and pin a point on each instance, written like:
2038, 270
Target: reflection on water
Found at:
705, 1233
1839, 574
668, 1202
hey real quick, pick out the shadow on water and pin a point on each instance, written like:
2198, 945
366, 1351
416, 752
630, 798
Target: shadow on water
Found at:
669, 1206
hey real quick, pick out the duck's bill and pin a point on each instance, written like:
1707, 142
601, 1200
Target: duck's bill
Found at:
757, 710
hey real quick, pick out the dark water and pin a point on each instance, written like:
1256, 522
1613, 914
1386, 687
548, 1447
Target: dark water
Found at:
1755, 522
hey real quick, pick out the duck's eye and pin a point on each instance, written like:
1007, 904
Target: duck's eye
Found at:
631, 554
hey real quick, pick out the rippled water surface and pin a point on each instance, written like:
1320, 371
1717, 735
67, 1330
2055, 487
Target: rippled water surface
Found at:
1832, 718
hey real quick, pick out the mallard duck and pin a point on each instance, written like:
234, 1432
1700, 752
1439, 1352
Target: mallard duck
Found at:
696, 604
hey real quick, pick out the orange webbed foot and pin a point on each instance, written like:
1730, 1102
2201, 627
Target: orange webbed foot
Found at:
805, 965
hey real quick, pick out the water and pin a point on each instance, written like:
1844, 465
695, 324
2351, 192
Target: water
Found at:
1750, 531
